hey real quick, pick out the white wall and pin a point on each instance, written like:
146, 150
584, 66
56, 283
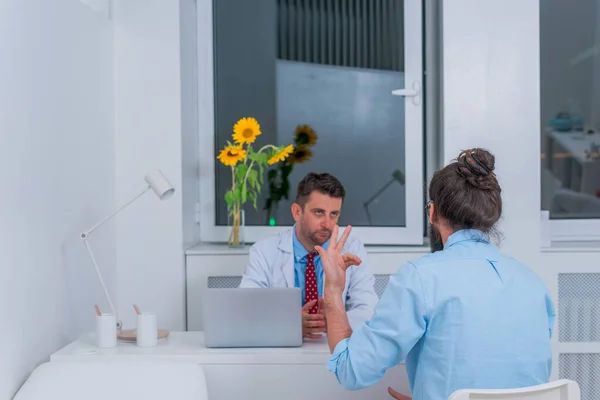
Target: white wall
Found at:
149, 135
491, 99
56, 153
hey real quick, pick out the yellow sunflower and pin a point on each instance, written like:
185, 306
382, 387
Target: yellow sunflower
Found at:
281, 155
246, 130
300, 155
231, 155
305, 135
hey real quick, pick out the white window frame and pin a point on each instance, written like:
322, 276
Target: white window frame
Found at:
580, 229
411, 234
575, 230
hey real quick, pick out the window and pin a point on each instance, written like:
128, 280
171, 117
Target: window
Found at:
570, 113
331, 66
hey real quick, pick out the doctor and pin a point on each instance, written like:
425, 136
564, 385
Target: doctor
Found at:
466, 316
289, 259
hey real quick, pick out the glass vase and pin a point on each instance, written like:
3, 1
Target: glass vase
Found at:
236, 225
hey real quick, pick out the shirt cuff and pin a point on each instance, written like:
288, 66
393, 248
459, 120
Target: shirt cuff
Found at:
340, 349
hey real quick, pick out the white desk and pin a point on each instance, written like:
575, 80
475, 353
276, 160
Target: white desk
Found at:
265, 373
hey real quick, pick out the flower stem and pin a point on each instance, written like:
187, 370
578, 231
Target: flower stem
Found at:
252, 163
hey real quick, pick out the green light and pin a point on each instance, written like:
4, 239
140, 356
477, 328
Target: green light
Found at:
272, 221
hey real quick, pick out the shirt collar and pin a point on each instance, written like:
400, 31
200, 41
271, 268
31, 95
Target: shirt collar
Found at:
299, 251
466, 235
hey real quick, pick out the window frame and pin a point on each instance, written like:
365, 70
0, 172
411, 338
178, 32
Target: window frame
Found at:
579, 229
412, 233
574, 230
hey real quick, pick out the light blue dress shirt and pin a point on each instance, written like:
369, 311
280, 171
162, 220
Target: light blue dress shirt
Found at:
300, 262
464, 317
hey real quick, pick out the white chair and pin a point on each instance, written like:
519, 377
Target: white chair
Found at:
115, 380
562, 389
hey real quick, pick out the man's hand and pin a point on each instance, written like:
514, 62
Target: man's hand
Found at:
334, 263
351, 259
312, 324
398, 396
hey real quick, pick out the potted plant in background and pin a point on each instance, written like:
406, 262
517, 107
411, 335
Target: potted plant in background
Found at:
247, 169
305, 138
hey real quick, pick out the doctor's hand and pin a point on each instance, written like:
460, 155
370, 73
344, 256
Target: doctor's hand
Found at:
312, 324
398, 396
334, 263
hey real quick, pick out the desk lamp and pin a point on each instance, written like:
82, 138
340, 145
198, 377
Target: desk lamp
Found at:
156, 181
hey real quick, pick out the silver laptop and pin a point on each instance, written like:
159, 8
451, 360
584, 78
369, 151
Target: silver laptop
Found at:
252, 317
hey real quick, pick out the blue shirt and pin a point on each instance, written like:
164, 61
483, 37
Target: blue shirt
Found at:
300, 261
464, 317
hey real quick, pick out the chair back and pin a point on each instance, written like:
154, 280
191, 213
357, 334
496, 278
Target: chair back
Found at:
562, 389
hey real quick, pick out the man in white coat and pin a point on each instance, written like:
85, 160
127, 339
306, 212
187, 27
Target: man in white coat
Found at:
289, 259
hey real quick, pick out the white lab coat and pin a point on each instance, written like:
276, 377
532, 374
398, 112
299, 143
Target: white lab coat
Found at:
271, 264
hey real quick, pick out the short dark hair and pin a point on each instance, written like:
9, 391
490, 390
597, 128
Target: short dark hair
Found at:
466, 193
324, 183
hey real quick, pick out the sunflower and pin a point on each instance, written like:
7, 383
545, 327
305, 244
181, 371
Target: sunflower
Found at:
231, 155
281, 155
300, 155
246, 130
305, 135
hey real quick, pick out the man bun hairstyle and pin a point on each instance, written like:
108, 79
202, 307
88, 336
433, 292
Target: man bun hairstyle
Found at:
324, 183
466, 193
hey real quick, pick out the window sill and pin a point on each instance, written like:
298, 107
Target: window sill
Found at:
555, 247
572, 247
201, 249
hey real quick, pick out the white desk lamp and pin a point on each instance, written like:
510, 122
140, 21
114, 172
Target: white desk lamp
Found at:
162, 188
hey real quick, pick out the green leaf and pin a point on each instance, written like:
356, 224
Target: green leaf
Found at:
244, 194
237, 195
255, 156
252, 177
229, 198
252, 197
261, 175
240, 172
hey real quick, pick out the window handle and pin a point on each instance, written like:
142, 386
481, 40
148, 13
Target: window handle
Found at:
413, 93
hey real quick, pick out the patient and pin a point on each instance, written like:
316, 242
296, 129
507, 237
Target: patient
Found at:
465, 316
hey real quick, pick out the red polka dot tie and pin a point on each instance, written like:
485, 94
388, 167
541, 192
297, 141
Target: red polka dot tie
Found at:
312, 293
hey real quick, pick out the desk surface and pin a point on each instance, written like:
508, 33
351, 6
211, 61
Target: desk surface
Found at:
190, 346
258, 373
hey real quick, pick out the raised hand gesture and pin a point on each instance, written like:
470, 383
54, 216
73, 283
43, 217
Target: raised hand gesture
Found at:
334, 262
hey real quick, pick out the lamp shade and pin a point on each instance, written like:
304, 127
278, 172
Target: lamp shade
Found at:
159, 184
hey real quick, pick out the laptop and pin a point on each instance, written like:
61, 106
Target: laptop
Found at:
252, 317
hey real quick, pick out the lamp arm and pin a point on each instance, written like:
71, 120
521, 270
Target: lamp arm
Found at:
85, 234
89, 249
